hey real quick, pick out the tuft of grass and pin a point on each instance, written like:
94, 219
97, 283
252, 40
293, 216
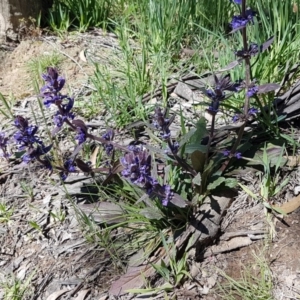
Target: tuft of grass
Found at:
256, 282
16, 289
79, 14
38, 65
5, 213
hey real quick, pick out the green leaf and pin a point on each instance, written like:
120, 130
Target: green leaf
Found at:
151, 213
216, 183
231, 182
248, 191
278, 210
194, 147
198, 160
200, 132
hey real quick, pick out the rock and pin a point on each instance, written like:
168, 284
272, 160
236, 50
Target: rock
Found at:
12, 11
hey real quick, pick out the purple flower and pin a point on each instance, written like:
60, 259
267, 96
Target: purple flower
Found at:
3, 145
237, 1
64, 113
217, 94
238, 22
69, 167
253, 50
81, 135
109, 135
252, 111
238, 155
137, 168
214, 107
35, 153
161, 123
54, 84
252, 91
165, 136
173, 148
26, 136
225, 152
235, 118
168, 195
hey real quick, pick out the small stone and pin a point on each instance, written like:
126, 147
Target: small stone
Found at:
297, 190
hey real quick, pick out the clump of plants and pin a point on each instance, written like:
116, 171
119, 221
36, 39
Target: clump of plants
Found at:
196, 165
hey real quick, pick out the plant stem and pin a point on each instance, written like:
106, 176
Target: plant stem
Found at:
247, 84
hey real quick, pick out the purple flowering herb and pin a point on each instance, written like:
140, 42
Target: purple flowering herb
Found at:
253, 50
108, 136
222, 84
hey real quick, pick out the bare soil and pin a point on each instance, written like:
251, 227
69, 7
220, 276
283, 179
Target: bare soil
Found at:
56, 255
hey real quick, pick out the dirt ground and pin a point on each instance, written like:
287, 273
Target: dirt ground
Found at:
62, 265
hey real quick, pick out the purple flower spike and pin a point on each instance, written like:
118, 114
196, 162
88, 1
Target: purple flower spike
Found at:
137, 168
54, 84
238, 22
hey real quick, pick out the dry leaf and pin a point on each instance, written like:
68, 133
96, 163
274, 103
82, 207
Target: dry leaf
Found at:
292, 161
82, 56
290, 206
232, 244
81, 295
94, 156
57, 294
133, 279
